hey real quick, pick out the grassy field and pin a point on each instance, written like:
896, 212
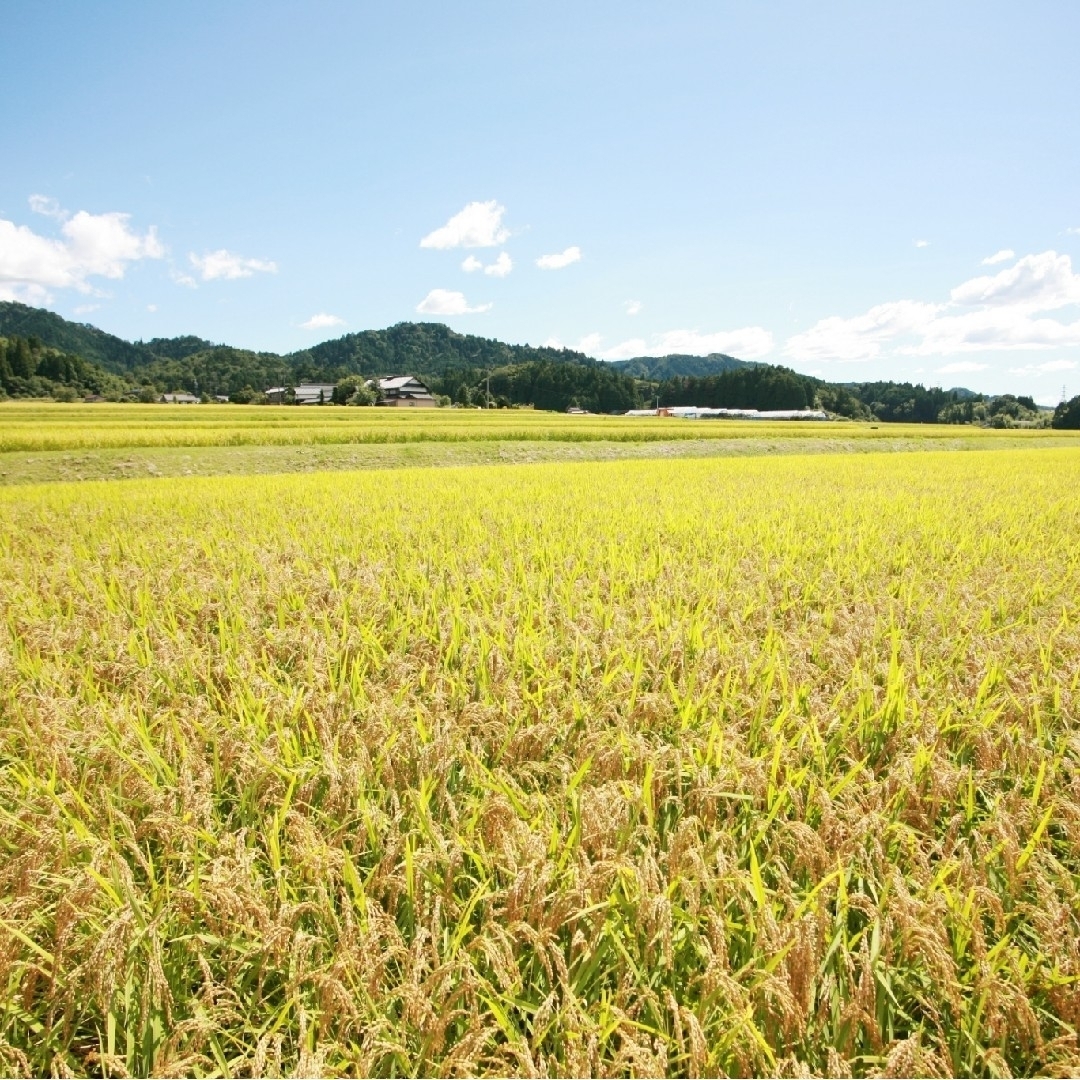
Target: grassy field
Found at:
744, 765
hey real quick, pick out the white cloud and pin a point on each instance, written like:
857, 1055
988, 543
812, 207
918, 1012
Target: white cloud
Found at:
447, 302
1074, 231
92, 245
183, 279
861, 337
590, 345
961, 367
1004, 255
225, 265
102, 244
993, 330
1047, 368
1035, 283
479, 225
322, 321
921, 243
632, 307
1004, 311
625, 350
750, 343
47, 206
559, 259
27, 259
499, 268
151, 308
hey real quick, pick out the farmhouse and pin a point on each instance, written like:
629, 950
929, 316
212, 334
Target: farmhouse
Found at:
403, 390
304, 394
179, 399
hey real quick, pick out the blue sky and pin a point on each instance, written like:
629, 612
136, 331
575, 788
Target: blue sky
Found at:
859, 191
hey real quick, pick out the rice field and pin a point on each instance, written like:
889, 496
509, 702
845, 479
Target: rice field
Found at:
758, 766
45, 426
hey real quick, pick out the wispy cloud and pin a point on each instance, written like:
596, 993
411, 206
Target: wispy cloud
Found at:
1035, 283
921, 243
961, 367
861, 337
322, 321
560, 259
632, 307
448, 302
750, 343
499, 268
1003, 311
89, 245
224, 265
478, 225
627, 350
1004, 255
1049, 367
47, 206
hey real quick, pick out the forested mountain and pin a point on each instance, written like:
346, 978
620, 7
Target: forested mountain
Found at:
44, 355
111, 353
659, 368
423, 349
30, 369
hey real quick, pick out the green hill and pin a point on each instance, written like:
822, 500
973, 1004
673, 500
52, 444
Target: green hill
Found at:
111, 353
422, 349
677, 365
81, 339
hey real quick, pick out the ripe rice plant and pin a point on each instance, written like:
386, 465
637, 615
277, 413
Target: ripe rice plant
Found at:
740, 766
42, 427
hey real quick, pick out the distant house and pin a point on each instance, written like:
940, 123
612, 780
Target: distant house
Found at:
397, 390
304, 394
403, 391
179, 399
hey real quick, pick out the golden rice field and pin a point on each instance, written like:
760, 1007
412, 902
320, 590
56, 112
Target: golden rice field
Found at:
724, 766
44, 426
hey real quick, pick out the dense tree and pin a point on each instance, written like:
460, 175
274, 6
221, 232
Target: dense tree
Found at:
109, 352
661, 368
760, 387
30, 369
1067, 414
544, 385
840, 401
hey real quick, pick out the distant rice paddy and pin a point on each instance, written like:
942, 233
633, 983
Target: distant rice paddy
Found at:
35, 426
